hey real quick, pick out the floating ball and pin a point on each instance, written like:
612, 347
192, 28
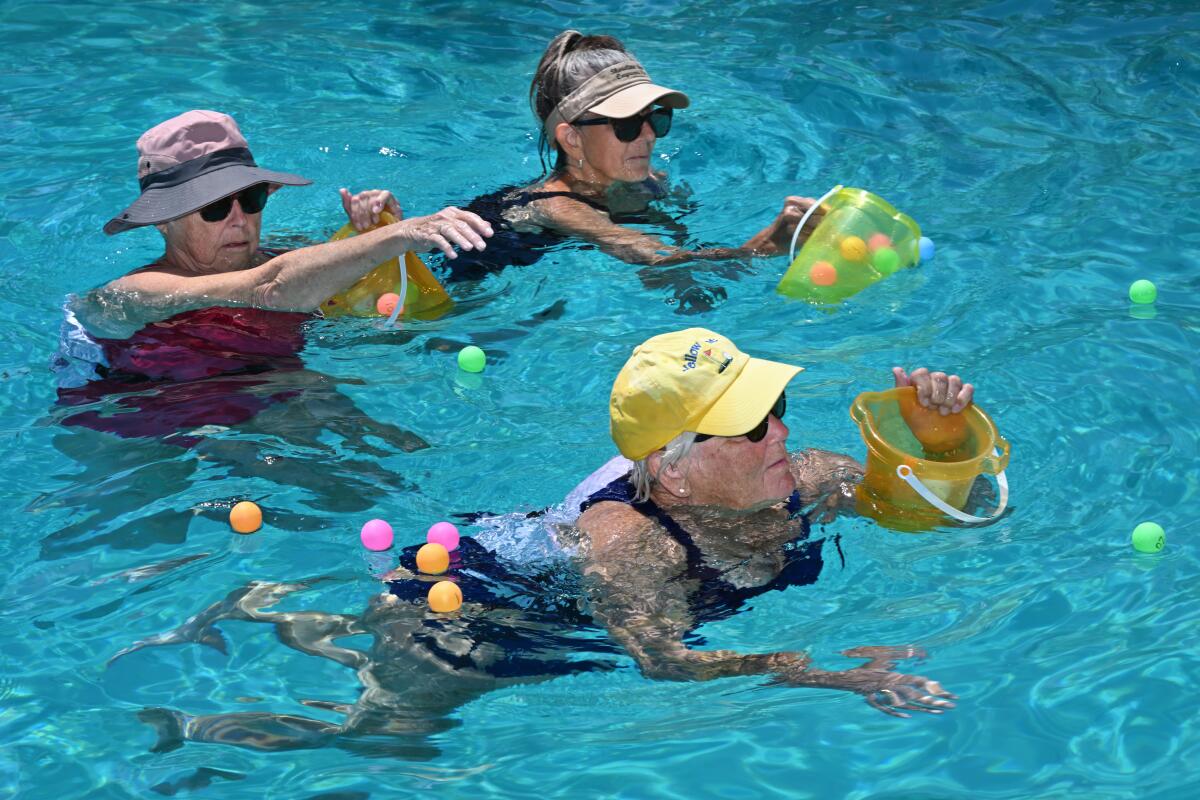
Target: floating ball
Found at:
386, 303
926, 248
245, 517
1149, 537
445, 596
853, 248
822, 273
443, 533
1143, 292
471, 359
886, 260
376, 535
879, 240
433, 559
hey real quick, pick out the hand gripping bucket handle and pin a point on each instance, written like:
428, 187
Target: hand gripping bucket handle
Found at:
804, 219
906, 474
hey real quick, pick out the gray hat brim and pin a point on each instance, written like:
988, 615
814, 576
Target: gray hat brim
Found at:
165, 203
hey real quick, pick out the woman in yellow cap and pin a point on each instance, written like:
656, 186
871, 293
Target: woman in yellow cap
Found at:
713, 511
599, 117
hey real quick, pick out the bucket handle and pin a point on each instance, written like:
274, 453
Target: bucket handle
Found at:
804, 219
908, 476
399, 309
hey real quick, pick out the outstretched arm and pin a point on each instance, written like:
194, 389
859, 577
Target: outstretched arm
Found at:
634, 574
590, 224
299, 280
635, 579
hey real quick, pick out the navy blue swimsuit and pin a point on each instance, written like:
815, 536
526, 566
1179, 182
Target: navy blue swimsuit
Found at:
552, 635
507, 247
717, 598
512, 248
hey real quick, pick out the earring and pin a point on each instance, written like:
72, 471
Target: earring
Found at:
581, 163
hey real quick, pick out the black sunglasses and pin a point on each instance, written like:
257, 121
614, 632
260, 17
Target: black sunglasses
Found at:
251, 200
627, 129
759, 431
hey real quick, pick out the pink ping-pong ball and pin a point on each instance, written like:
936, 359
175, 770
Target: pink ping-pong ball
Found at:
376, 535
443, 533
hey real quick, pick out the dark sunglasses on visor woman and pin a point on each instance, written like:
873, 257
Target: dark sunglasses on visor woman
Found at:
252, 201
759, 431
627, 129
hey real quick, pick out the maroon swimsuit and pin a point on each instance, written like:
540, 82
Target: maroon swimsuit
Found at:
196, 368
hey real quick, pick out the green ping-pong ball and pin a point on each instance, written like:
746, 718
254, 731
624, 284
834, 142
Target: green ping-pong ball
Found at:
886, 260
471, 359
1143, 292
1149, 537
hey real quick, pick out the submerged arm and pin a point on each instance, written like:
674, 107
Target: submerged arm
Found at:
633, 571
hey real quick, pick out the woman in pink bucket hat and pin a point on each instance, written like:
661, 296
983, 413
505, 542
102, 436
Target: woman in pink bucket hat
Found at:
186, 340
204, 192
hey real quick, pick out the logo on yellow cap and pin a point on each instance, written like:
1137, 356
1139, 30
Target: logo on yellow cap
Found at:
697, 351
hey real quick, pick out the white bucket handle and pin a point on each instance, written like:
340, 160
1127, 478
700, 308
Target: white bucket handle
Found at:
908, 476
804, 219
399, 309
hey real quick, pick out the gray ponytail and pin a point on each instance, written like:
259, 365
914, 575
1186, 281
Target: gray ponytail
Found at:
570, 59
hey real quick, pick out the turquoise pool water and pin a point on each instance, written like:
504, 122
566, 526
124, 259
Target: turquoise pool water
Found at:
1049, 149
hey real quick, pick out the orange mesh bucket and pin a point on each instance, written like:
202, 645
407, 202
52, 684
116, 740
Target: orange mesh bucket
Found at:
908, 487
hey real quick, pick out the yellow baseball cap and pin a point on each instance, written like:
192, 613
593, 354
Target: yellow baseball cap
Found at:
691, 380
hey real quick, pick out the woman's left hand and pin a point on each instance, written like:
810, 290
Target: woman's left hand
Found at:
364, 208
776, 238
936, 390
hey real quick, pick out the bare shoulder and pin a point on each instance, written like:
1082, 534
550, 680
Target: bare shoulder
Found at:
568, 212
150, 278
608, 524
618, 533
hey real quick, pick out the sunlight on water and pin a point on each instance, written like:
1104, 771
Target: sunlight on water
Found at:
1046, 149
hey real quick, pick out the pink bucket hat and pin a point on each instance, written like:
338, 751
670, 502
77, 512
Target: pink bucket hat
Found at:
188, 162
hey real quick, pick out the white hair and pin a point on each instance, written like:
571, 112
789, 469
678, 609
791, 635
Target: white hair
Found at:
675, 451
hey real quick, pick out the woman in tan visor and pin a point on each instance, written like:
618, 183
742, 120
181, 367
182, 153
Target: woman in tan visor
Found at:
600, 117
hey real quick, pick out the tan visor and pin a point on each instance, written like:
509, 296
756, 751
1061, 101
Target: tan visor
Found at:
621, 90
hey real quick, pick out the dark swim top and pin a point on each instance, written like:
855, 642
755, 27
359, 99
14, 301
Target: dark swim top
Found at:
507, 247
512, 248
549, 636
716, 598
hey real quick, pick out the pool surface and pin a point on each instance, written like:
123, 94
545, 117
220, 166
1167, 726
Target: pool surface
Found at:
1049, 149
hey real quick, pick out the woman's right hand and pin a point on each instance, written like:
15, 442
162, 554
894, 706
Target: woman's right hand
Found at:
444, 230
891, 692
937, 391
776, 238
